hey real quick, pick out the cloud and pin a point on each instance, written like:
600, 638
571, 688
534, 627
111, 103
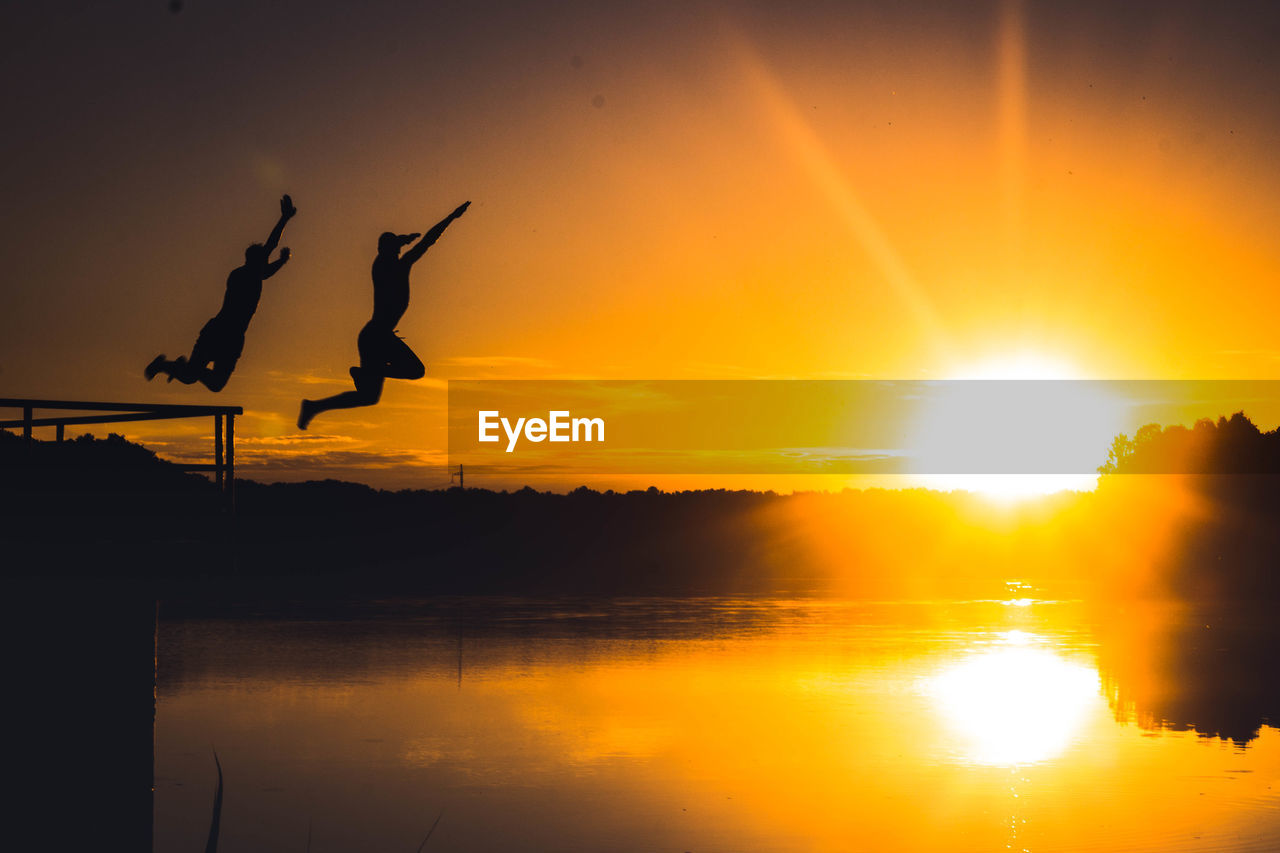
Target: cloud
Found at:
494, 361
296, 439
308, 378
404, 469
346, 460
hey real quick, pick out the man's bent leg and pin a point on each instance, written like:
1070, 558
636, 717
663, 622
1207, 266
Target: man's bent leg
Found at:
402, 362
216, 377
157, 364
186, 372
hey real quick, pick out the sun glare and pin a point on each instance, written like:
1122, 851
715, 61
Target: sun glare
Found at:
1017, 704
1022, 365
1023, 439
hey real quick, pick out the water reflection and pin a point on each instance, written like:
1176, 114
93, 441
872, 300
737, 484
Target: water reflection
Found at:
1211, 669
1020, 703
752, 724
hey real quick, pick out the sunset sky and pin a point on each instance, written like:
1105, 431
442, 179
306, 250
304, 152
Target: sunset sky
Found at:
659, 191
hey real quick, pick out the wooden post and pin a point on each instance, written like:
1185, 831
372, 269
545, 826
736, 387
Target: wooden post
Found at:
217, 450
26, 422
231, 462
61, 428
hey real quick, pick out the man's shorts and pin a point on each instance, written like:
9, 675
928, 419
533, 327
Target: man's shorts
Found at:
219, 344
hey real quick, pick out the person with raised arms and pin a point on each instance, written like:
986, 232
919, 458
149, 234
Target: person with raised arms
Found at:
222, 339
383, 354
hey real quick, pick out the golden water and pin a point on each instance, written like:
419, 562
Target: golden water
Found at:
710, 724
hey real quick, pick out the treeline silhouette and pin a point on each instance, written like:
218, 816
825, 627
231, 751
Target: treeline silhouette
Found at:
1231, 445
1228, 473
107, 507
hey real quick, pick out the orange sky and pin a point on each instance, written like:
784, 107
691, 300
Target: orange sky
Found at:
715, 190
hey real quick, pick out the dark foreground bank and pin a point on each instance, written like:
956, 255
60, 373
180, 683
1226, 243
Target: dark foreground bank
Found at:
110, 509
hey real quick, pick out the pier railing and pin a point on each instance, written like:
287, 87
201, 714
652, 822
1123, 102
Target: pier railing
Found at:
223, 467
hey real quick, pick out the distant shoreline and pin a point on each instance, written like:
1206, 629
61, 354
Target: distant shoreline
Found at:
109, 508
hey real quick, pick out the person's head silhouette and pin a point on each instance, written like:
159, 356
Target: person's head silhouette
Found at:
390, 244
256, 255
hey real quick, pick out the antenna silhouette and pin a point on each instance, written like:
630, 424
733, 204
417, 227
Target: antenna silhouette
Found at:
461, 482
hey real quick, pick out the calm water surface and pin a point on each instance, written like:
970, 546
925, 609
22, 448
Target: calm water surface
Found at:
719, 724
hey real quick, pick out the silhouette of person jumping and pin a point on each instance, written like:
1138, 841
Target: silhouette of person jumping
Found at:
383, 355
222, 339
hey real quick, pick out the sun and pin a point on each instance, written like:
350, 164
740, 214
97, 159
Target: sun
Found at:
1015, 426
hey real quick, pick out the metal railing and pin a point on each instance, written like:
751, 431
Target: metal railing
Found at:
224, 458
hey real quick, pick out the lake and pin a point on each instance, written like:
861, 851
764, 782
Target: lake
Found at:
718, 724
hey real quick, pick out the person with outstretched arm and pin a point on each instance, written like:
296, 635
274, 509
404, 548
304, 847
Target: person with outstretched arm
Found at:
221, 341
383, 355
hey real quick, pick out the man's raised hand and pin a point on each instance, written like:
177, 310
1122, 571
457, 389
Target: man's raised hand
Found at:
461, 209
285, 254
287, 210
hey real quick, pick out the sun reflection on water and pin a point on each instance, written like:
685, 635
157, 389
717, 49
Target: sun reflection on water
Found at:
1019, 703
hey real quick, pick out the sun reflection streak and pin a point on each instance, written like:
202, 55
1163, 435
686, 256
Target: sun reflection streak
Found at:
829, 178
1021, 703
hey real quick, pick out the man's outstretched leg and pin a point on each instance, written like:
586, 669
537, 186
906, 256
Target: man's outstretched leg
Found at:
368, 392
